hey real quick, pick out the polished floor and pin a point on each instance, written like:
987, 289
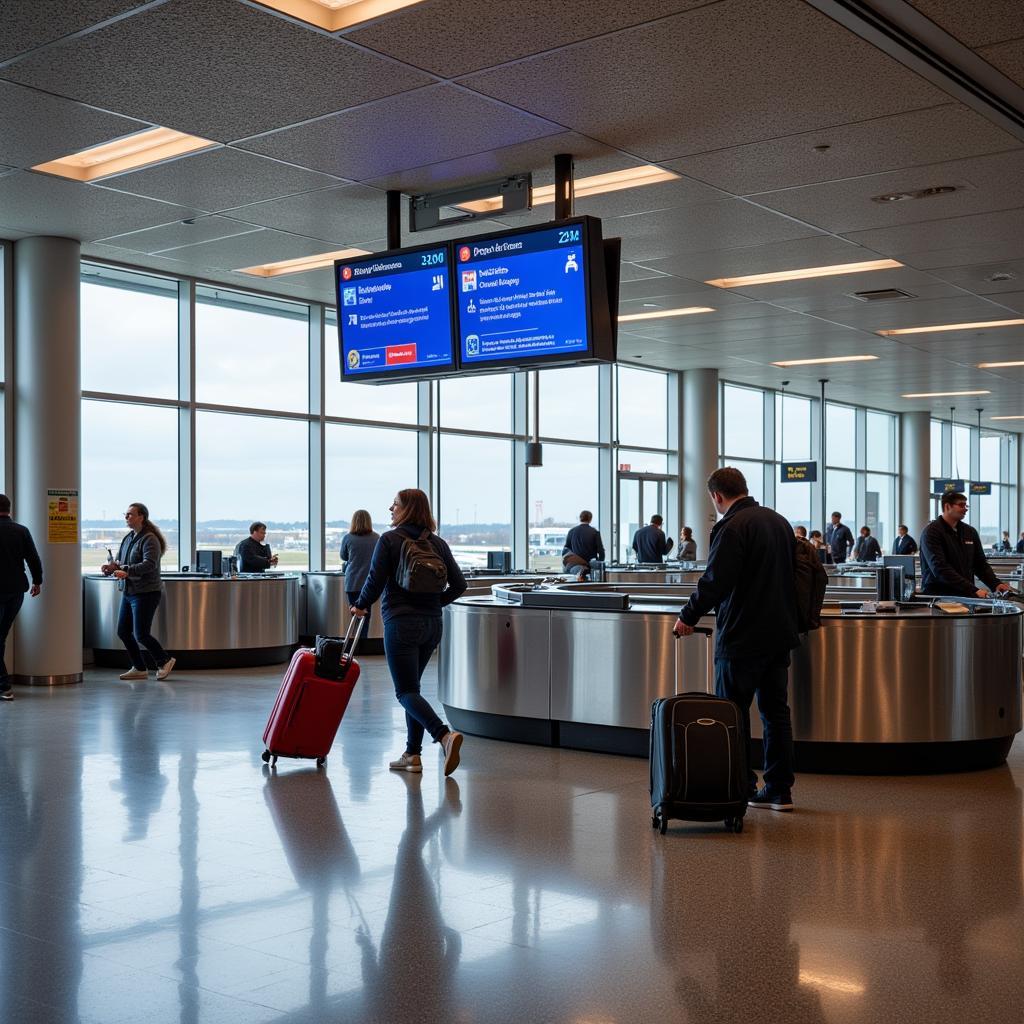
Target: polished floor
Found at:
153, 870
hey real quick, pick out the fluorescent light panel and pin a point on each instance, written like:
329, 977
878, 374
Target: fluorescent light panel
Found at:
334, 15
125, 154
951, 327
1006, 417
614, 181
943, 394
659, 313
829, 359
996, 366
807, 272
302, 264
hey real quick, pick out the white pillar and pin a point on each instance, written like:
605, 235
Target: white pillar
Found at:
699, 453
47, 451
915, 470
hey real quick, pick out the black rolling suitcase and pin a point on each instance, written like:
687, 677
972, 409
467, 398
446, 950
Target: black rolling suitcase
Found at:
698, 759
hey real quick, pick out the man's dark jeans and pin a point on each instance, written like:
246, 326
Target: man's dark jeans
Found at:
739, 679
409, 641
10, 605
134, 625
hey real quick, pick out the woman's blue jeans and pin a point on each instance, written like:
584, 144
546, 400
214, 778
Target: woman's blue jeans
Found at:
134, 625
409, 641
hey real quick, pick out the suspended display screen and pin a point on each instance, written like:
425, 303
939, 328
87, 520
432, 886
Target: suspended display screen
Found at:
395, 314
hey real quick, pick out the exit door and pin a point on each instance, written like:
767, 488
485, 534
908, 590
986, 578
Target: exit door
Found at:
641, 495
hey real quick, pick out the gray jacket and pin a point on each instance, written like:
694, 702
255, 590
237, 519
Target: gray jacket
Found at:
357, 553
139, 555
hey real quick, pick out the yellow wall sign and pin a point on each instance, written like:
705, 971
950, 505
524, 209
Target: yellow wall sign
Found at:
62, 517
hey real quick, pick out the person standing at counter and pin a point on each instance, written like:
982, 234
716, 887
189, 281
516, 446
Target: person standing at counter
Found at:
867, 549
687, 545
253, 553
17, 549
415, 572
1004, 546
1020, 544
904, 543
582, 544
650, 542
952, 555
357, 547
750, 584
838, 538
137, 567
819, 545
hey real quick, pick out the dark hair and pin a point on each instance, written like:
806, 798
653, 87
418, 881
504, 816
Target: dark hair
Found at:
414, 508
586, 515
903, 526
868, 528
253, 527
953, 498
728, 482
148, 526
656, 519
815, 533
361, 523
797, 530
838, 514
687, 532
5, 505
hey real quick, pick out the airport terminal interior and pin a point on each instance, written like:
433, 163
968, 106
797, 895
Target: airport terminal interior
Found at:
821, 282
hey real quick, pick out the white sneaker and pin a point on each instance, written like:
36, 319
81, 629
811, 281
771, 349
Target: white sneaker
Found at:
165, 669
407, 763
134, 673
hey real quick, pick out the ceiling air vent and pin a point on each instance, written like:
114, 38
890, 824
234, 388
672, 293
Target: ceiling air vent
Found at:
882, 295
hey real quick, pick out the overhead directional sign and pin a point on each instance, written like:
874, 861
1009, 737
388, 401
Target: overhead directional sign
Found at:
799, 472
940, 487
980, 488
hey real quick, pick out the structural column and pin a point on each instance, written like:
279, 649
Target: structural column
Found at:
47, 454
699, 452
915, 469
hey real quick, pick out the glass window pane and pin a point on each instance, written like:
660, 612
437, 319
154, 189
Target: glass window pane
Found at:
129, 453
475, 508
742, 422
477, 403
881, 430
936, 450
249, 468
642, 407
792, 428
841, 431
558, 491
841, 497
990, 461
880, 509
365, 468
794, 502
961, 452
754, 473
251, 352
129, 334
985, 517
392, 403
630, 461
568, 403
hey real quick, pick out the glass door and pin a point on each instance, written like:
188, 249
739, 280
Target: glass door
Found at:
641, 495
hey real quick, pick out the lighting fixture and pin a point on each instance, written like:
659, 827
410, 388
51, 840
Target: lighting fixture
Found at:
921, 193
832, 982
614, 181
302, 264
829, 359
659, 313
334, 15
1006, 417
996, 366
125, 154
807, 272
942, 394
951, 327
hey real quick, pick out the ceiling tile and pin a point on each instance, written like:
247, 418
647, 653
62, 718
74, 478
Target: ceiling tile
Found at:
35, 127
222, 70
1003, 230
978, 279
28, 25
823, 291
877, 316
976, 23
604, 87
630, 272
251, 249
173, 236
867, 147
416, 128
1008, 58
43, 205
681, 292
965, 252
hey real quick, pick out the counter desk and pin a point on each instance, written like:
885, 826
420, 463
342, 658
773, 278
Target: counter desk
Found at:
204, 621
913, 690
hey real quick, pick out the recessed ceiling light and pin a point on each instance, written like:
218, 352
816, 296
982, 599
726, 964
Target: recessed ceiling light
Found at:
1006, 417
596, 184
951, 327
829, 359
302, 264
125, 154
921, 193
658, 314
943, 394
334, 15
996, 366
893, 197
807, 272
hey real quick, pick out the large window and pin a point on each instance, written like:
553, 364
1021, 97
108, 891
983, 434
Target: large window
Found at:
568, 403
742, 423
642, 407
558, 491
477, 402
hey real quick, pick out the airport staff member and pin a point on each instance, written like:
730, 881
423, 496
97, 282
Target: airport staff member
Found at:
867, 549
17, 549
252, 553
838, 538
582, 543
952, 554
749, 581
904, 543
650, 542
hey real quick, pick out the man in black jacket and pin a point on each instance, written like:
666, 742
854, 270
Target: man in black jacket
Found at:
16, 548
650, 542
749, 580
904, 543
867, 549
252, 553
582, 544
952, 554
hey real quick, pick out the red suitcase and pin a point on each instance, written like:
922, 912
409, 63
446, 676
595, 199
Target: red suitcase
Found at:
309, 708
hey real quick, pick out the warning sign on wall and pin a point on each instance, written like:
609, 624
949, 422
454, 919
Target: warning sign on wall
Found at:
62, 517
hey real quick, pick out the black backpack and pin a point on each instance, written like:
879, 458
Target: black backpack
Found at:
421, 569
811, 581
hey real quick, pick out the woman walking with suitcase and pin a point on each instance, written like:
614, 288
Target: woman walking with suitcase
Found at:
415, 572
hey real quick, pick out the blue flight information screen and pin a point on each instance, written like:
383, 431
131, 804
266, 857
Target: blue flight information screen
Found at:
394, 312
522, 295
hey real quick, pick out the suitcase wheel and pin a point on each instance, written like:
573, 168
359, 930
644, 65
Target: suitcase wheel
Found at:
266, 756
663, 825
321, 761
734, 825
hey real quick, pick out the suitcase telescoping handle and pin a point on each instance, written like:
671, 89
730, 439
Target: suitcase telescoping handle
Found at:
356, 623
707, 633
